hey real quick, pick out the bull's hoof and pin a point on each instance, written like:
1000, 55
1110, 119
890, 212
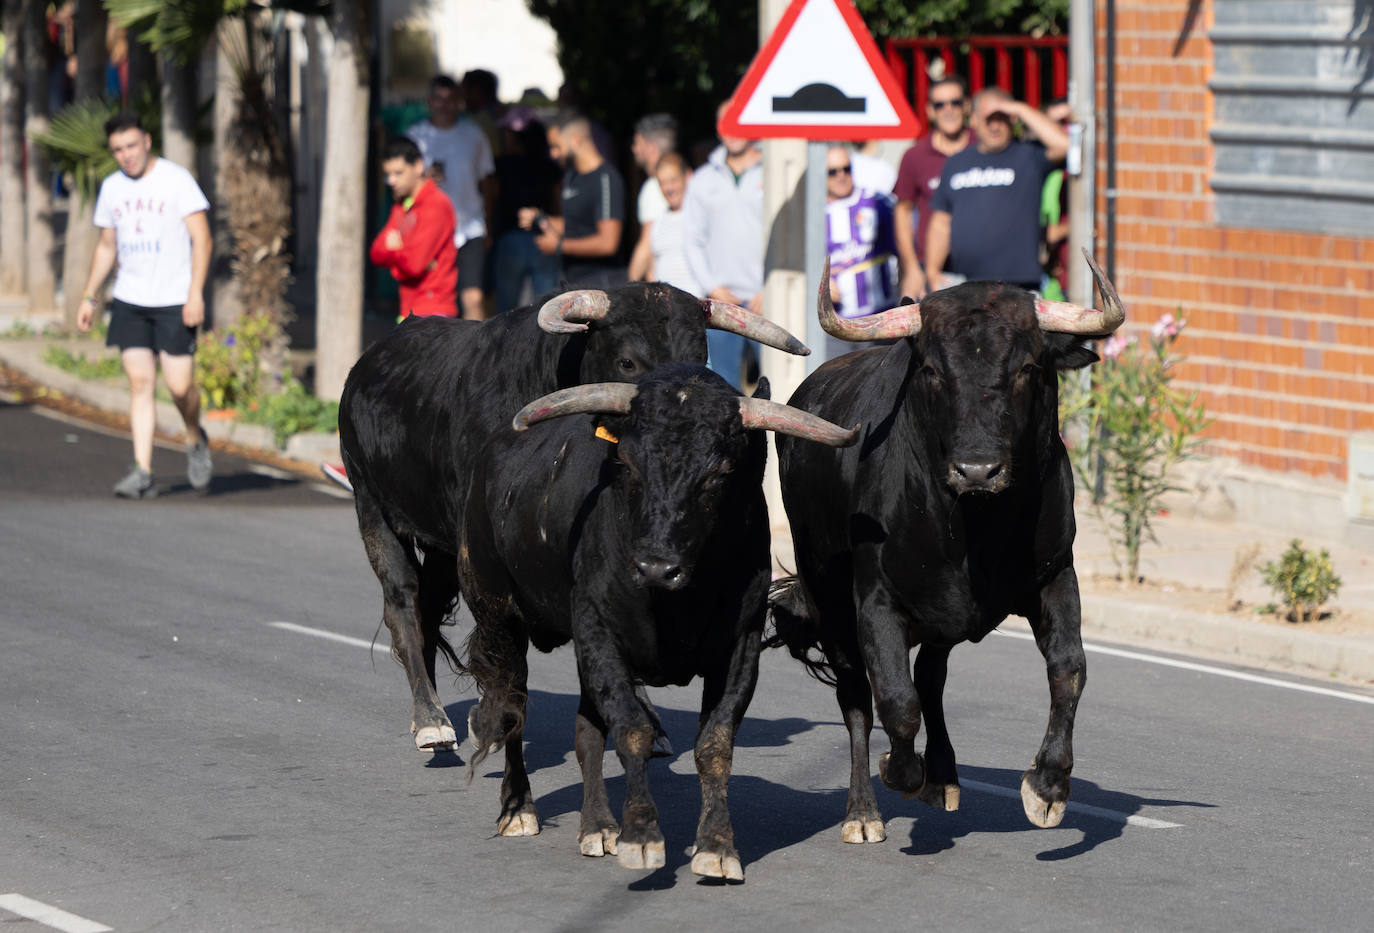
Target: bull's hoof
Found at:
641, 855
599, 843
717, 865
940, 796
1041, 812
432, 738
861, 831
907, 779
519, 823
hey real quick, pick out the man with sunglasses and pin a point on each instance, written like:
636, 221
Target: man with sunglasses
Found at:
947, 113
985, 214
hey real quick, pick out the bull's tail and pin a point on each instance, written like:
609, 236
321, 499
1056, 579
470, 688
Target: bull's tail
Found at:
495, 658
794, 624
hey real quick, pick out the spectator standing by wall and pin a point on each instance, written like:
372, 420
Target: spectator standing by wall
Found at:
860, 244
458, 157
668, 241
655, 136
152, 218
985, 216
416, 244
723, 215
947, 113
588, 233
525, 177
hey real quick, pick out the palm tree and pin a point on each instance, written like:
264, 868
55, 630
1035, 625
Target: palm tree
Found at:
12, 153
343, 196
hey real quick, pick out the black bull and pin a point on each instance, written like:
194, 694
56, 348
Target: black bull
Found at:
953, 511
420, 403
641, 535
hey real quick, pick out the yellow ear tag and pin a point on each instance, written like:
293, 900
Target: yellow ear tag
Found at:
605, 435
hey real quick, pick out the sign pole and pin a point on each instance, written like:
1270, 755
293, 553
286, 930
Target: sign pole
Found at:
815, 248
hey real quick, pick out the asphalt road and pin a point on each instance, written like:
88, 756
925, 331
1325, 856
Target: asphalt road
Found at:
197, 734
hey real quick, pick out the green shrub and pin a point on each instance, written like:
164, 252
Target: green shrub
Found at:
292, 410
102, 367
229, 363
1302, 581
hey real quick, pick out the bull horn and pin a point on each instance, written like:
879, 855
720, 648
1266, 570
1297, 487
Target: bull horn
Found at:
721, 315
762, 414
901, 321
1066, 318
604, 397
568, 312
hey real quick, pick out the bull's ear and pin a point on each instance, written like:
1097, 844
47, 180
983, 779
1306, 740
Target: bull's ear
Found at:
1070, 354
763, 390
906, 300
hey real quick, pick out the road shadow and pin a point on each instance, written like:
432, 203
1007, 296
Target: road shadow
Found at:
982, 811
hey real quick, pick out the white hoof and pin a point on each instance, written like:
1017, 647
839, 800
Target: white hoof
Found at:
436, 737
861, 831
648, 856
599, 844
1040, 812
941, 796
711, 865
522, 823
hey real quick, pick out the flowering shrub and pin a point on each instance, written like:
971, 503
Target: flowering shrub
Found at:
1303, 581
1133, 427
229, 363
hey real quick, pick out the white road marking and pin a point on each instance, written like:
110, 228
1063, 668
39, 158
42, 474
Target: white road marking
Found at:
1209, 669
331, 636
48, 915
1130, 819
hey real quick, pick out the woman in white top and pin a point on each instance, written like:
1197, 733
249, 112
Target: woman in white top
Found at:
667, 237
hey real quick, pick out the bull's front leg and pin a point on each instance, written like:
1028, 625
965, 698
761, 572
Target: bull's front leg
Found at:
598, 831
724, 698
609, 682
886, 647
941, 789
1045, 785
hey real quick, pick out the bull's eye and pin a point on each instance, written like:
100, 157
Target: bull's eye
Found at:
1028, 371
626, 365
931, 375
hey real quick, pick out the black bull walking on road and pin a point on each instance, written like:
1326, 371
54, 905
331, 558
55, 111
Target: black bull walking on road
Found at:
421, 403
953, 511
639, 532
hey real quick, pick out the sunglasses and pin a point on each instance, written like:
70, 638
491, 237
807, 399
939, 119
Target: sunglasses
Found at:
942, 104
842, 170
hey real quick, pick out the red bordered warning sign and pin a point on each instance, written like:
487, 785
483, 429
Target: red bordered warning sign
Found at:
819, 76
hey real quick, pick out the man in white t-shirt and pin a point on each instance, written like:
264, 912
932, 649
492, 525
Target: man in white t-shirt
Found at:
655, 136
152, 218
458, 158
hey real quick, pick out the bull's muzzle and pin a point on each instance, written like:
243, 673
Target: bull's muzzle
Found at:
978, 476
663, 573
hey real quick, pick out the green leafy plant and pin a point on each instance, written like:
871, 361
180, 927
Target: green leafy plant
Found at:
100, 368
1303, 581
76, 142
1133, 428
229, 363
293, 410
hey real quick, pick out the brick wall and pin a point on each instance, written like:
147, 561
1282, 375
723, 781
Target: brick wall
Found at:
1280, 337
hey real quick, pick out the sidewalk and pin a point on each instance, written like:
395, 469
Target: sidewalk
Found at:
1188, 570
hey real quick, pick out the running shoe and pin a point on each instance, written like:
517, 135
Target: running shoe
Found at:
198, 464
337, 473
137, 485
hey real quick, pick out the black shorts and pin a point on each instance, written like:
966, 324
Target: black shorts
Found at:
472, 263
158, 329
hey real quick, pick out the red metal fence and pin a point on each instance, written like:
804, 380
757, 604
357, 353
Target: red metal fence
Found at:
1035, 70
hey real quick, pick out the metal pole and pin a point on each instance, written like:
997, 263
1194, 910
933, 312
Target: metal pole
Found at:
815, 246
1082, 162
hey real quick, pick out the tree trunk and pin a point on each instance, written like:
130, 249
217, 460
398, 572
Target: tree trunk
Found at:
339, 273
179, 113
227, 300
12, 154
41, 284
78, 245
142, 68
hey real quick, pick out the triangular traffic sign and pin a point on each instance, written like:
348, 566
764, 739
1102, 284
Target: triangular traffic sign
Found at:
819, 76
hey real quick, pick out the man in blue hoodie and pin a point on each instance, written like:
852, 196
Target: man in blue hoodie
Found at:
723, 218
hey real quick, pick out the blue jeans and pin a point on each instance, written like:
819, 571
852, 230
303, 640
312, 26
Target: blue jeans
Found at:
727, 355
514, 258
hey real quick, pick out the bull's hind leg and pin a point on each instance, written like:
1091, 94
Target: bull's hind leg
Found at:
1045, 785
941, 789
496, 659
598, 832
398, 570
724, 698
438, 592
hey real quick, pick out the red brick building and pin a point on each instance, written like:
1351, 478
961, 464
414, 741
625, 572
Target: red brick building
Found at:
1244, 164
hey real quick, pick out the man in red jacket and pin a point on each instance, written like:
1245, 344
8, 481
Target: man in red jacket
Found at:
417, 242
